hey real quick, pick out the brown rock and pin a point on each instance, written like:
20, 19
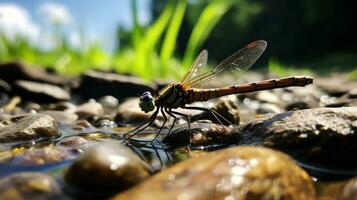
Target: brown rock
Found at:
29, 185
344, 190
42, 155
129, 112
245, 173
106, 167
227, 107
202, 134
27, 127
89, 109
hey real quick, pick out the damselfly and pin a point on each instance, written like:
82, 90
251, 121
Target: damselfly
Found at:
194, 87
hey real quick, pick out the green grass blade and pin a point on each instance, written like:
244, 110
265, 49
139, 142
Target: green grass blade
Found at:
136, 32
145, 53
170, 39
206, 22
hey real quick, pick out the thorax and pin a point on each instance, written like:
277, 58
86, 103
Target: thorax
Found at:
172, 96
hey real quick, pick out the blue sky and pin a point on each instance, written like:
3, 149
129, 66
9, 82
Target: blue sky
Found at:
98, 18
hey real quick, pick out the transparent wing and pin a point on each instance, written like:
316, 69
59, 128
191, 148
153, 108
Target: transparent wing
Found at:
236, 64
200, 61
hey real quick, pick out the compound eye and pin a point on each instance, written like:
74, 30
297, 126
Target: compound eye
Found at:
146, 96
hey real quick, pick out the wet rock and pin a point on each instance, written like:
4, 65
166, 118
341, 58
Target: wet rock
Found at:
27, 127
320, 135
349, 191
352, 93
4, 86
202, 134
4, 116
63, 106
129, 112
105, 123
227, 107
89, 109
338, 102
333, 85
29, 185
244, 173
310, 95
297, 105
268, 108
42, 155
32, 106
41, 92
344, 190
62, 116
268, 97
82, 125
119, 86
345, 100
75, 142
109, 102
105, 167
18, 70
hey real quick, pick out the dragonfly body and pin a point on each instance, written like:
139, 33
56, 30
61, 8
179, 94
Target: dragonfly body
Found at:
175, 95
194, 86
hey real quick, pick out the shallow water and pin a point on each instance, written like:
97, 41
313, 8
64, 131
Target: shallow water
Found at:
22, 156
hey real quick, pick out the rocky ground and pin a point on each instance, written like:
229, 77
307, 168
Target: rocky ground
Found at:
61, 138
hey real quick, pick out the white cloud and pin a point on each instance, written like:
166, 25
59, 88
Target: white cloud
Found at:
15, 22
75, 39
55, 13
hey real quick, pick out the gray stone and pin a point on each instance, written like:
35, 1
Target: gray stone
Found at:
320, 135
62, 116
297, 105
119, 86
40, 91
13, 71
27, 127
352, 93
268, 97
337, 85
109, 102
129, 112
268, 108
89, 109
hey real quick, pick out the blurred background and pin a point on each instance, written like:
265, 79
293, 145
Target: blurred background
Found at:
160, 39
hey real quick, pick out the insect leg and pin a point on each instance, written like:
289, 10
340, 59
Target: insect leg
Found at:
188, 122
168, 111
141, 127
165, 120
214, 113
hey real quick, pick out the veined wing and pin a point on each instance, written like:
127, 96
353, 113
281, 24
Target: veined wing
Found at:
200, 61
237, 63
